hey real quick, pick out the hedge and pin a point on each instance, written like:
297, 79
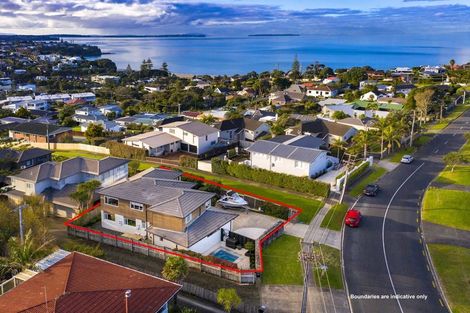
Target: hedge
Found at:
274, 210
299, 184
121, 150
354, 175
187, 161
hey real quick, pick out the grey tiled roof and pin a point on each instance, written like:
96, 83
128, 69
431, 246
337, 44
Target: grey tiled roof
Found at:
194, 127
202, 227
61, 170
166, 200
324, 127
40, 128
285, 151
164, 174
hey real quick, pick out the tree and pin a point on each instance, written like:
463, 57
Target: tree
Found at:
453, 158
175, 269
94, 131
84, 193
8, 224
363, 139
208, 119
381, 124
391, 137
23, 113
339, 145
278, 127
165, 67
295, 71
133, 167
339, 115
228, 298
26, 253
423, 102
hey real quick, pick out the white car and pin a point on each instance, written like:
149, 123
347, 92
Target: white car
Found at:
407, 159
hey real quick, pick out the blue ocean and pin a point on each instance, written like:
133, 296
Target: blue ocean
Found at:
238, 55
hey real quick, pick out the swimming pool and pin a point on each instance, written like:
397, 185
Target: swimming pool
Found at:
225, 255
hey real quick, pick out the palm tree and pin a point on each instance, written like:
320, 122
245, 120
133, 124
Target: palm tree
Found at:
372, 106
392, 137
339, 145
26, 253
363, 138
381, 124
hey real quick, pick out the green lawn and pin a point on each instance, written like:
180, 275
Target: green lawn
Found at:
375, 173
281, 264
453, 267
332, 258
334, 218
309, 206
460, 176
447, 207
448, 119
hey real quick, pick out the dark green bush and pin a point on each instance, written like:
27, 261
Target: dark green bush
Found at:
275, 211
299, 184
121, 150
187, 161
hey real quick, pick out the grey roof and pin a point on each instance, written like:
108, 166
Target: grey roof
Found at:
41, 129
193, 127
251, 124
61, 170
154, 138
171, 183
306, 141
202, 227
166, 200
281, 138
163, 174
235, 123
285, 151
32, 153
324, 127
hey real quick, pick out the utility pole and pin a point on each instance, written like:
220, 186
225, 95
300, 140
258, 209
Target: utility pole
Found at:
412, 128
47, 136
20, 213
349, 163
179, 109
127, 295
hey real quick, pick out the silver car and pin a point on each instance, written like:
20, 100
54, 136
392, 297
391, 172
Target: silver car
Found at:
407, 159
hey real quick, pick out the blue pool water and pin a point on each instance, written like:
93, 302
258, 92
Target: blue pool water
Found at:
225, 255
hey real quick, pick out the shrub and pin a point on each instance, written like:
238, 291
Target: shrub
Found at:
354, 175
299, 184
275, 211
95, 251
175, 269
231, 153
121, 150
187, 161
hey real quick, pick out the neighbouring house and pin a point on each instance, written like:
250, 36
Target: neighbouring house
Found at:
22, 159
75, 283
222, 90
191, 114
304, 141
331, 101
370, 96
322, 91
287, 158
368, 82
397, 101
157, 143
109, 126
359, 124
28, 105
196, 137
246, 92
242, 129
167, 212
404, 88
5, 84
105, 79
57, 180
331, 80
88, 97
327, 130
110, 109
26, 87
39, 132
295, 93
261, 115
148, 119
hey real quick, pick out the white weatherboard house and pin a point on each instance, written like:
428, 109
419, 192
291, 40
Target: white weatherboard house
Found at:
157, 143
166, 210
196, 137
288, 159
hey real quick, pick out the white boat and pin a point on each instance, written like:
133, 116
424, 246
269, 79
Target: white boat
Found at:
232, 200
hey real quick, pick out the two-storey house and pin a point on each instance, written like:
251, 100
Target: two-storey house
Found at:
196, 137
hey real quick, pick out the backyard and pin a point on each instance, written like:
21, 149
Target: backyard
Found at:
453, 266
281, 264
447, 207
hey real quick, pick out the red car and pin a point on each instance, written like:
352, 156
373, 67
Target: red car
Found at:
353, 218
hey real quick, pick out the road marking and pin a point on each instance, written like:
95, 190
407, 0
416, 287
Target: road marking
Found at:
437, 150
417, 220
445, 142
433, 284
383, 235
440, 301
455, 134
428, 267
423, 253
417, 211
420, 241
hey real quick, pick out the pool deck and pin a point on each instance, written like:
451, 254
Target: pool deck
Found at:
243, 261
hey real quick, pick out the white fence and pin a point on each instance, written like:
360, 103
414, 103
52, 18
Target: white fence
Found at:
70, 146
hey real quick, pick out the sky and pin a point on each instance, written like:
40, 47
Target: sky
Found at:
347, 19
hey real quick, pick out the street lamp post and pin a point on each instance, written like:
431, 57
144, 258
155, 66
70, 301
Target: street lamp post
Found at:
127, 295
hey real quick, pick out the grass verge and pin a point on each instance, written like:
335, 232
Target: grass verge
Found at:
375, 173
447, 207
334, 218
332, 275
460, 176
281, 264
453, 268
440, 125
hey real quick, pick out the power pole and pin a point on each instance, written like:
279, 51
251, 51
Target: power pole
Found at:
349, 163
127, 295
179, 109
20, 213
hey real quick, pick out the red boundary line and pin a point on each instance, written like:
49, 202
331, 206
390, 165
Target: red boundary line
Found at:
137, 243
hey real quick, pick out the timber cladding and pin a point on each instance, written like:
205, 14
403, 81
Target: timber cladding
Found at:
166, 221
123, 209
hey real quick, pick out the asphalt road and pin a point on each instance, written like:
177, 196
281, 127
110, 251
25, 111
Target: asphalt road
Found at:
385, 256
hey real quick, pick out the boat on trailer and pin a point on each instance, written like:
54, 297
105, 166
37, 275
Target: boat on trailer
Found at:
232, 200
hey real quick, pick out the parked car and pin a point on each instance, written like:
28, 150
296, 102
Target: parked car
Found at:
371, 190
353, 218
407, 159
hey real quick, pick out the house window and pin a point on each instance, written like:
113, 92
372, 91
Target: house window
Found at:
137, 206
298, 164
109, 216
28, 185
185, 134
129, 222
172, 131
188, 218
212, 143
208, 204
111, 201
206, 138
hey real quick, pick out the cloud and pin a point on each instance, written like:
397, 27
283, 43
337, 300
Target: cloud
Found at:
178, 16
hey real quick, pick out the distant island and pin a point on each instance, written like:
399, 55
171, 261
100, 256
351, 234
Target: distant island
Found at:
273, 35
134, 36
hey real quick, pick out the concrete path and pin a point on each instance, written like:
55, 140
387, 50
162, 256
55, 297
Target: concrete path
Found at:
389, 166
434, 233
282, 298
320, 235
296, 229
